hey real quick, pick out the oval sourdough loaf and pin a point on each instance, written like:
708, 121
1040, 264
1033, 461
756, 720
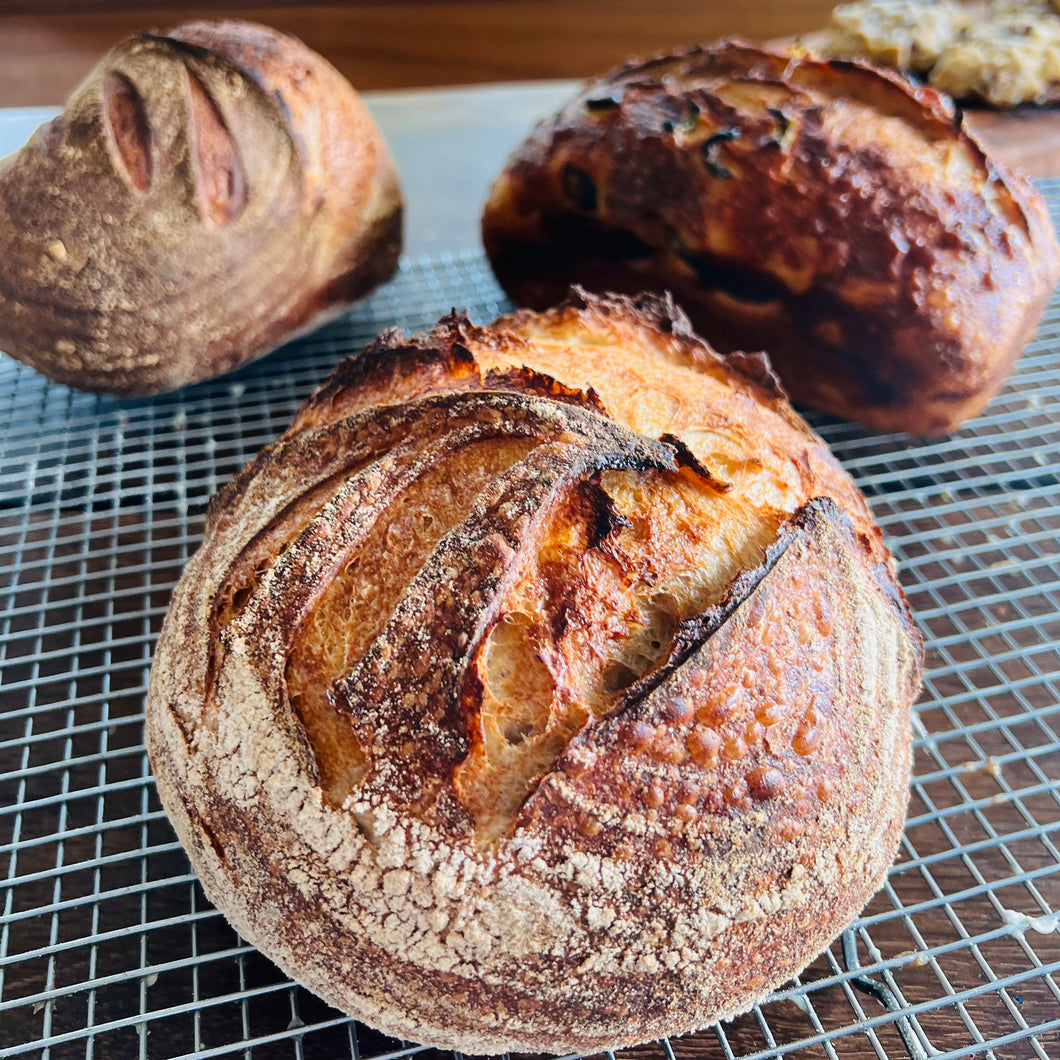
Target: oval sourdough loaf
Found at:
204, 196
833, 215
545, 687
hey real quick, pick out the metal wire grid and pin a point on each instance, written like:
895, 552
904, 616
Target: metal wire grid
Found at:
108, 947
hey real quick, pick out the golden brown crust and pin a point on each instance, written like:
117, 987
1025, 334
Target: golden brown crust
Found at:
503, 725
831, 214
205, 195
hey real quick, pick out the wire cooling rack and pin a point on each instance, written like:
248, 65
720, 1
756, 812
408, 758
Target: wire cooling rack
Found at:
108, 948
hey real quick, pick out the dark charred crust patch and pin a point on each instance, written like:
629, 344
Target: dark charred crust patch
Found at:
710, 150
578, 187
606, 520
391, 357
686, 458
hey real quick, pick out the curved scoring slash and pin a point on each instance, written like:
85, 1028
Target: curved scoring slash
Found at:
218, 170
128, 131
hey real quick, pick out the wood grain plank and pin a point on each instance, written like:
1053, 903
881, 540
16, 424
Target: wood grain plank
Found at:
398, 45
1029, 139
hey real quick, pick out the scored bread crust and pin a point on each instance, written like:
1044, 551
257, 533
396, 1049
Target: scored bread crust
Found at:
834, 215
419, 721
206, 195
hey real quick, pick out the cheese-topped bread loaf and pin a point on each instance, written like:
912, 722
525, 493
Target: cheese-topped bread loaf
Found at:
833, 215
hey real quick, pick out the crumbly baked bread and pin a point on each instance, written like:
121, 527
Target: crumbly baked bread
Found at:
907, 35
545, 687
204, 196
830, 214
1004, 53
1007, 60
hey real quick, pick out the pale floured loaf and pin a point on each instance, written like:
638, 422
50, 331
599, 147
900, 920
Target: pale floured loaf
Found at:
205, 195
545, 687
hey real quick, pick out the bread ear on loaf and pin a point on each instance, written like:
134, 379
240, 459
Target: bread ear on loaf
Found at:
205, 195
545, 687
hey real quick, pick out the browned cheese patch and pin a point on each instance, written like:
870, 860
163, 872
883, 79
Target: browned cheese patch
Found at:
590, 614
353, 609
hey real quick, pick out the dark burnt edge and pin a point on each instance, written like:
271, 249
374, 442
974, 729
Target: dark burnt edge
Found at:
524, 380
388, 352
446, 345
607, 519
686, 458
602, 520
933, 106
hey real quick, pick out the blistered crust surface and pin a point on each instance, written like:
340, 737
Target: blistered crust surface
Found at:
613, 745
833, 215
204, 196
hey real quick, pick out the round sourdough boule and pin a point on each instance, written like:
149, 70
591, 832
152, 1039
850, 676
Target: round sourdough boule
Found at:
834, 215
545, 687
205, 195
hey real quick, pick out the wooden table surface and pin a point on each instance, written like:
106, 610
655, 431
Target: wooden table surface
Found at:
398, 45
46, 49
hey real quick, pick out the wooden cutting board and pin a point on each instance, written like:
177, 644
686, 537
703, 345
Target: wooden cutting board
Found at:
1028, 138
